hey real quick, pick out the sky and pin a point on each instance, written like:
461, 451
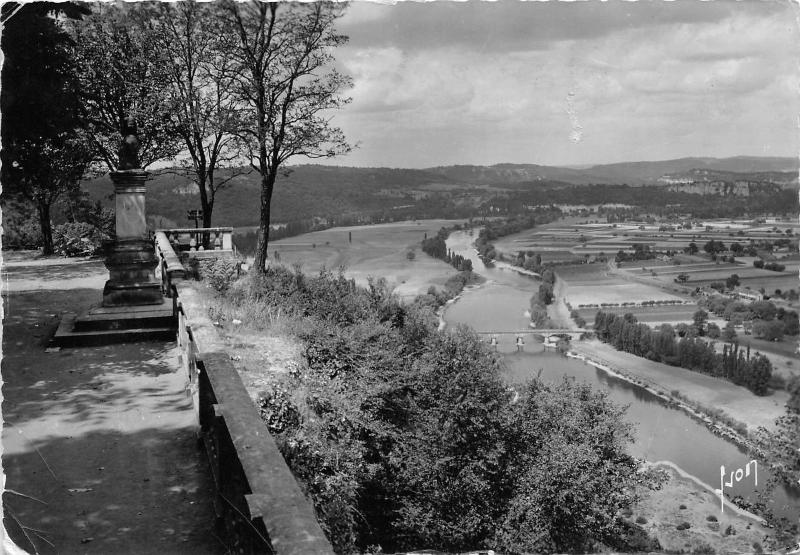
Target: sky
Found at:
568, 83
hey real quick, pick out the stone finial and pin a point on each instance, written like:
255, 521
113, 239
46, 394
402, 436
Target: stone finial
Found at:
129, 148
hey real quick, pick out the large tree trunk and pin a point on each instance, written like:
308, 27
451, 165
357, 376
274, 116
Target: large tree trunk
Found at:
201, 187
267, 186
208, 209
47, 229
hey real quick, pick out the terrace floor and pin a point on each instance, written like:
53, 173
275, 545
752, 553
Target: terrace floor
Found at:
99, 447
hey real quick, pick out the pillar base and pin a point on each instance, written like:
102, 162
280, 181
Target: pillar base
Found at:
131, 264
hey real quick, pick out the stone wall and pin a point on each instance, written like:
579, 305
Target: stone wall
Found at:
259, 505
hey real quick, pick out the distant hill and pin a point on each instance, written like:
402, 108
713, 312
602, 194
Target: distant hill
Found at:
782, 179
307, 191
650, 172
631, 173
503, 174
301, 192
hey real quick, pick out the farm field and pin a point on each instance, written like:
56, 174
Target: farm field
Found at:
652, 315
667, 268
375, 251
582, 272
559, 256
587, 284
580, 237
784, 282
703, 274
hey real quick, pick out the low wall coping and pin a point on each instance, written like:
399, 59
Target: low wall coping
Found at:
276, 497
287, 514
172, 261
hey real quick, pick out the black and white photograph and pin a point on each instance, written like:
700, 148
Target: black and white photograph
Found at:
415, 278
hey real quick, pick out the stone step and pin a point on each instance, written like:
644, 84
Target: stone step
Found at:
110, 337
72, 330
108, 322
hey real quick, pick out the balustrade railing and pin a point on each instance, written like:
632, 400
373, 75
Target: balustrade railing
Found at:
200, 239
259, 506
169, 267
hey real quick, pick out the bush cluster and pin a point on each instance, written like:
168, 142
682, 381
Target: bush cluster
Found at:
406, 437
437, 248
78, 239
218, 273
21, 228
541, 299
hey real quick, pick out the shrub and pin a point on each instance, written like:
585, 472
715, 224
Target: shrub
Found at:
277, 409
411, 437
219, 273
711, 518
682, 507
21, 233
683, 526
641, 520
78, 239
730, 530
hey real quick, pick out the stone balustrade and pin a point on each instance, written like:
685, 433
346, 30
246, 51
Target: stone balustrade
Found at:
259, 505
169, 266
201, 240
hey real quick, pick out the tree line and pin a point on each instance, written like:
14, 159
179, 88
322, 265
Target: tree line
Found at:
217, 88
543, 297
495, 229
655, 200
437, 248
766, 320
625, 333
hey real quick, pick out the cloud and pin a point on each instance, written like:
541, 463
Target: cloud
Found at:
486, 83
508, 25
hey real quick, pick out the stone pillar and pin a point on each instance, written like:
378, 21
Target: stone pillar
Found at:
131, 260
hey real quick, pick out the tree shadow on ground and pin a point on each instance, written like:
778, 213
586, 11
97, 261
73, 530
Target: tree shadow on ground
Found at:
114, 424
55, 272
107, 492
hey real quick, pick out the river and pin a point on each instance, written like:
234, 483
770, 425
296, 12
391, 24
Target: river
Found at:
662, 432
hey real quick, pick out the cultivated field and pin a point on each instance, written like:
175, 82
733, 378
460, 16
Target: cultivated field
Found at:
652, 315
774, 280
591, 284
615, 293
706, 273
375, 251
572, 237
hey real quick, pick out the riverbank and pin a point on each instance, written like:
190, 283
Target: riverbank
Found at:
443, 307
682, 500
736, 402
726, 430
